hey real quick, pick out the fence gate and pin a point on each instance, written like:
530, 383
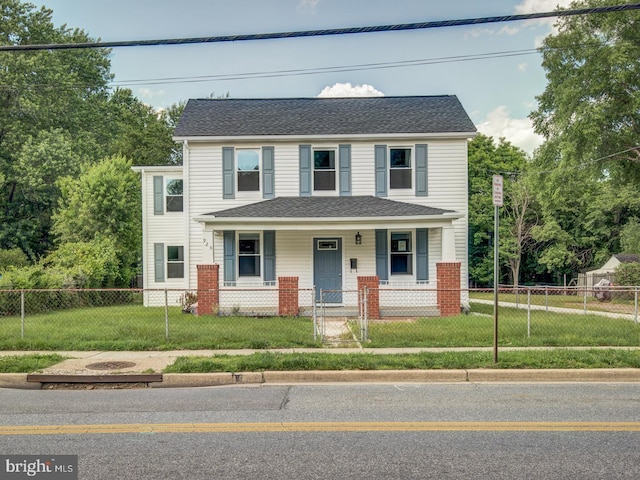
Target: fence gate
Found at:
340, 325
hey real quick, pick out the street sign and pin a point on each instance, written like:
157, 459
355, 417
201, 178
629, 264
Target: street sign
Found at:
497, 190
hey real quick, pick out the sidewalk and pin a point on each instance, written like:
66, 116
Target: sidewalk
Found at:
145, 368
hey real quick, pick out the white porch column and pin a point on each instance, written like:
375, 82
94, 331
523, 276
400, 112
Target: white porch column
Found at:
448, 244
207, 247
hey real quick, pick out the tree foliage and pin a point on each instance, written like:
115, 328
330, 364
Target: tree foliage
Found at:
103, 203
587, 173
57, 113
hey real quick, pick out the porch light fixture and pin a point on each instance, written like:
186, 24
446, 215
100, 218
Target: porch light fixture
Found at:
358, 239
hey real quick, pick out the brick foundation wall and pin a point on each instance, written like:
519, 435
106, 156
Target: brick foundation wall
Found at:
373, 300
288, 296
448, 274
208, 288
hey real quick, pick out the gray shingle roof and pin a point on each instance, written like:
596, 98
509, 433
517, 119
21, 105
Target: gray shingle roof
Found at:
323, 116
627, 257
329, 207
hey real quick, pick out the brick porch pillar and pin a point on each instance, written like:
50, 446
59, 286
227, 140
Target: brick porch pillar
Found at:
373, 299
448, 274
288, 296
208, 288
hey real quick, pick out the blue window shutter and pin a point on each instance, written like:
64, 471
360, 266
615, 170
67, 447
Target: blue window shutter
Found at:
269, 237
305, 170
228, 170
158, 195
421, 170
158, 261
229, 247
382, 262
268, 167
344, 159
422, 254
381, 170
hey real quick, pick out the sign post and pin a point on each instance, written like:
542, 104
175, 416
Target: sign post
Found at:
497, 203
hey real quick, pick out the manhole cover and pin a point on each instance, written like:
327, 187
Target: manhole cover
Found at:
110, 365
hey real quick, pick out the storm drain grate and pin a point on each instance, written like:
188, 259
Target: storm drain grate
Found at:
110, 365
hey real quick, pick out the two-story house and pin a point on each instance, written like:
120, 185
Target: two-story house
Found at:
321, 190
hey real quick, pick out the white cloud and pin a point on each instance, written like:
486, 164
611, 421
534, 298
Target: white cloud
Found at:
537, 6
519, 131
522, 67
308, 5
348, 90
147, 93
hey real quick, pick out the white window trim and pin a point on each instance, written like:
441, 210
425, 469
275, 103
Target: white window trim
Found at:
249, 280
403, 276
336, 166
411, 148
166, 195
247, 193
175, 262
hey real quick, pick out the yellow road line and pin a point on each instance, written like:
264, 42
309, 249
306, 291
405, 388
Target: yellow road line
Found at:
321, 427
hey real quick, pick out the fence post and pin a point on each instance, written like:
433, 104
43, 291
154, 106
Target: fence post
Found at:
22, 314
365, 333
635, 305
314, 313
546, 298
528, 313
584, 301
166, 315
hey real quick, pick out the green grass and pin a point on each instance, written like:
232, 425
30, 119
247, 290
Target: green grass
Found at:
134, 327
28, 363
476, 330
262, 361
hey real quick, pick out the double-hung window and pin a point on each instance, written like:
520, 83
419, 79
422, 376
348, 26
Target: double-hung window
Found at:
401, 253
400, 167
249, 255
248, 170
324, 170
175, 261
173, 195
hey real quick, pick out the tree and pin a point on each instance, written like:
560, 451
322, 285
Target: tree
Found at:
47, 98
485, 160
587, 172
103, 202
590, 108
630, 237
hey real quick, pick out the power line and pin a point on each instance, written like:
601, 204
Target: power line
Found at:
325, 32
320, 70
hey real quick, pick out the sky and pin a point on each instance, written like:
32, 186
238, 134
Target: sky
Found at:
498, 90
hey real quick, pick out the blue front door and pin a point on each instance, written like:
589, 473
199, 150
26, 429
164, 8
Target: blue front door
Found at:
327, 269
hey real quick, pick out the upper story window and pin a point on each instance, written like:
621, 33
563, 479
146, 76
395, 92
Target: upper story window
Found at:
173, 190
401, 253
324, 170
248, 170
400, 168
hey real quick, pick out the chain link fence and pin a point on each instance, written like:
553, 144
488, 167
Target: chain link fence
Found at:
144, 319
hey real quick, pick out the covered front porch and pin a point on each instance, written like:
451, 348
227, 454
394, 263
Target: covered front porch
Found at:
326, 249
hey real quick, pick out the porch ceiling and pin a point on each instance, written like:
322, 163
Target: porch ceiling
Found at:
311, 213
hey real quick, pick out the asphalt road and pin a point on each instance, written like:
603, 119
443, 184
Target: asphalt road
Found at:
376, 431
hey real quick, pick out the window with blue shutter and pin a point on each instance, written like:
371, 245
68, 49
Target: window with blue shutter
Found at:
305, 170
422, 254
344, 160
421, 170
158, 195
380, 160
268, 173
228, 170
382, 265
229, 254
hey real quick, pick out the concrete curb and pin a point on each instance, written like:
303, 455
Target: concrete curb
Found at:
185, 380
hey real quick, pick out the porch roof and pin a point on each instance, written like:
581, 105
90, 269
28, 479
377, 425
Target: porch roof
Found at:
312, 211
